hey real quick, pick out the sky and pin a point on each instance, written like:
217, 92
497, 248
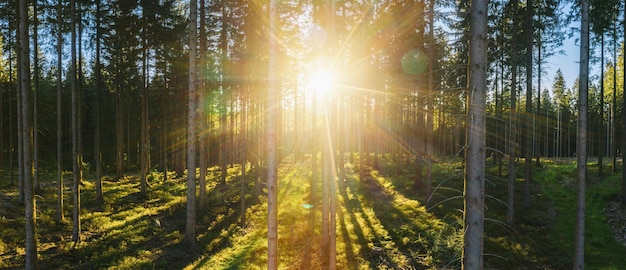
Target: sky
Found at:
567, 62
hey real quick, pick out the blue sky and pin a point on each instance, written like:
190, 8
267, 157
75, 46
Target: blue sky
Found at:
568, 63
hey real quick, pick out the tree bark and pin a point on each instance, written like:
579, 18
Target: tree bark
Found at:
529, 126
190, 229
76, 166
98, 151
624, 125
510, 213
581, 145
202, 122
474, 193
601, 138
60, 185
30, 227
35, 119
272, 155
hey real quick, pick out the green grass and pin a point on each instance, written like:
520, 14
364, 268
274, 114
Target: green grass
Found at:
382, 222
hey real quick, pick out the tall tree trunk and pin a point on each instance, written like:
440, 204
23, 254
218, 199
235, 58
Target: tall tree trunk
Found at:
98, 151
601, 138
624, 124
614, 106
222, 107
145, 122
30, 227
244, 141
581, 145
510, 213
473, 218
11, 122
119, 123
60, 185
536, 126
272, 160
430, 110
36, 183
75, 129
202, 122
20, 117
190, 229
529, 126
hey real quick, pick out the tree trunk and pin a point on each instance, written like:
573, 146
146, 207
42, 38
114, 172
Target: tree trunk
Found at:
510, 213
430, 110
35, 119
624, 125
222, 107
473, 219
190, 229
75, 129
581, 145
601, 138
145, 122
98, 151
272, 160
202, 122
60, 185
30, 226
119, 124
614, 106
529, 126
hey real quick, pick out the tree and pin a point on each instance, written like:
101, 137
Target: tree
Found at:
146, 14
474, 193
512, 119
98, 82
272, 155
76, 154
624, 116
60, 185
190, 228
30, 226
581, 145
529, 119
35, 80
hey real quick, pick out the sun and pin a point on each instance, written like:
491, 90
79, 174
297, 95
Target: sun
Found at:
321, 81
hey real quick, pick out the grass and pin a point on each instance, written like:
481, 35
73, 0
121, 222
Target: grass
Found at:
382, 222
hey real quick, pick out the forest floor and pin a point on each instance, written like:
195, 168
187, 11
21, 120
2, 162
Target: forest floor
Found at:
382, 221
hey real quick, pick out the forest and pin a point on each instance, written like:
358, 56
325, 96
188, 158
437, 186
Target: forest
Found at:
321, 134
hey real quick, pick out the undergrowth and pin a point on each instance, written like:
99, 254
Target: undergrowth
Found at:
382, 221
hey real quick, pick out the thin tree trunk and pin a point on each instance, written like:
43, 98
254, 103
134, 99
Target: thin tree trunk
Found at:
11, 128
202, 122
119, 123
581, 145
601, 138
145, 122
529, 127
223, 110
190, 229
60, 185
614, 106
98, 151
473, 218
36, 183
75, 129
429, 101
624, 125
20, 118
30, 227
510, 213
272, 160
